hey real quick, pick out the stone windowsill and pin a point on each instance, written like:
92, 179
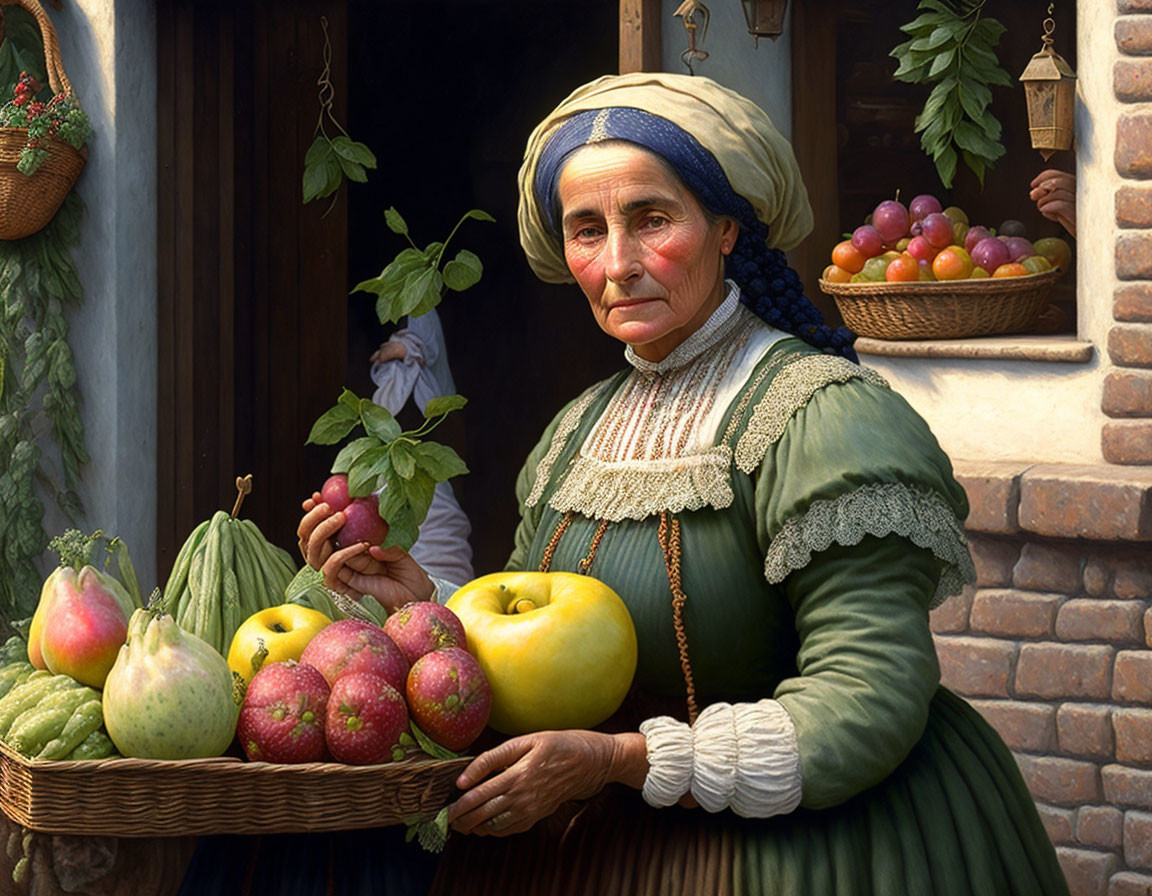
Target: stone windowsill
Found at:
1061, 349
1092, 501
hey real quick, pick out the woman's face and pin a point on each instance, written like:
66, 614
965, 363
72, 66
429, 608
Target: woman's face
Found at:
641, 247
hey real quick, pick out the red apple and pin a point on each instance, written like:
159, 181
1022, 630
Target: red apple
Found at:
422, 626
352, 646
284, 712
366, 717
868, 241
335, 492
449, 697
362, 523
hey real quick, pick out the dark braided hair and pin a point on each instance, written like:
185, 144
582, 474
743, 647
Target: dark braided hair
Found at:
772, 289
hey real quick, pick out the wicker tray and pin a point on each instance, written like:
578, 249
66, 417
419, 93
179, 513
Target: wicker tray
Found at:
950, 309
190, 797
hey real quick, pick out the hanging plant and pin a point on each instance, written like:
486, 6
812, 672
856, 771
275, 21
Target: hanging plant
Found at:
331, 159
42, 442
39, 403
60, 117
953, 48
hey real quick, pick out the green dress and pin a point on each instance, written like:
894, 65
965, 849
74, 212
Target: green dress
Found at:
818, 525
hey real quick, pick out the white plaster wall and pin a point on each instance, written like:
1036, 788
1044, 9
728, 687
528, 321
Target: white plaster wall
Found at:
109, 55
763, 74
979, 409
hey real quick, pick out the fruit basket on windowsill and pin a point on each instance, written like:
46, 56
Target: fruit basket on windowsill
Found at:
943, 309
192, 797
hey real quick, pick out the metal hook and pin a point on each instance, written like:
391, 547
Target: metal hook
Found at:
688, 10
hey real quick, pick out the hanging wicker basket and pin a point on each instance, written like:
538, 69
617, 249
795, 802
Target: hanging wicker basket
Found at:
28, 202
946, 309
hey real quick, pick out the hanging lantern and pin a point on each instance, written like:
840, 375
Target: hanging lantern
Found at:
1050, 88
765, 17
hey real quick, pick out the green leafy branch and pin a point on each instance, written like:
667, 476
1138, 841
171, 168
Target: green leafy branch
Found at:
399, 465
331, 159
952, 47
39, 400
78, 550
413, 283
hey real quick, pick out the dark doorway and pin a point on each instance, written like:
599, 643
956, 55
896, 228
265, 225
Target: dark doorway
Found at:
446, 92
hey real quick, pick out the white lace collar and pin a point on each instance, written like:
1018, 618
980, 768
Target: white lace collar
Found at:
711, 332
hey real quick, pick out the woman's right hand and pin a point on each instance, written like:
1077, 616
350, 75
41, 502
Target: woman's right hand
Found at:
390, 575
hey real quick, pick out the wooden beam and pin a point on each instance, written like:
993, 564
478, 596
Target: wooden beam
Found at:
640, 45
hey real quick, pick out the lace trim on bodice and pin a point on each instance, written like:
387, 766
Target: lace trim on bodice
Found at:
877, 509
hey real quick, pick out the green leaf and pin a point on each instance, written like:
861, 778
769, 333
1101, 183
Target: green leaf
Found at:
946, 165
431, 746
379, 422
352, 170
439, 461
477, 214
924, 22
970, 137
976, 164
940, 63
432, 251
463, 271
989, 31
402, 459
418, 491
318, 151
364, 474
395, 223
333, 425
315, 181
350, 400
417, 288
354, 152
350, 452
444, 404
402, 530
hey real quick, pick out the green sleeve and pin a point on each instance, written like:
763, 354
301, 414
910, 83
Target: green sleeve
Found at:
867, 665
861, 523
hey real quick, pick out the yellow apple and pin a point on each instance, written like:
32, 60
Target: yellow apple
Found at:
285, 631
558, 649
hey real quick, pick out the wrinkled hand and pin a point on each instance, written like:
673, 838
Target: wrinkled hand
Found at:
525, 779
390, 575
392, 350
1054, 193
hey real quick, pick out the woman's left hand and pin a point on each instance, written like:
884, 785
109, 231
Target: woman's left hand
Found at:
527, 778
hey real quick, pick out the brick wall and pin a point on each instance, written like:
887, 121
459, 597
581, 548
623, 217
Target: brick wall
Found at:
1127, 399
1054, 648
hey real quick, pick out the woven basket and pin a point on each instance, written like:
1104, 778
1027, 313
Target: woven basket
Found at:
951, 309
28, 202
193, 797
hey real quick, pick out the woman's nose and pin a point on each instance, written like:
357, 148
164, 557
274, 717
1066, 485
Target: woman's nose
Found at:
622, 257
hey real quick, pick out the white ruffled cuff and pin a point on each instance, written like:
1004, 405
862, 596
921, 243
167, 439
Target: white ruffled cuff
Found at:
743, 757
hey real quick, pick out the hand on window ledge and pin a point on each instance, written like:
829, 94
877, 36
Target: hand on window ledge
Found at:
1054, 193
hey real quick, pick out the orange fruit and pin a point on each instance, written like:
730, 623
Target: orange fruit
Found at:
902, 269
836, 274
952, 263
848, 257
1012, 269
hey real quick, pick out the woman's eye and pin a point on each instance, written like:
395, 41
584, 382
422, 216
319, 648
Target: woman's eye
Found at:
584, 234
655, 222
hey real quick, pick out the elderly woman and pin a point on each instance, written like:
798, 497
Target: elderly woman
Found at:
778, 522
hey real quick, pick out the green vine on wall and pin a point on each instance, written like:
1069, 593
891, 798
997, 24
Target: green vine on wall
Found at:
38, 399
42, 444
